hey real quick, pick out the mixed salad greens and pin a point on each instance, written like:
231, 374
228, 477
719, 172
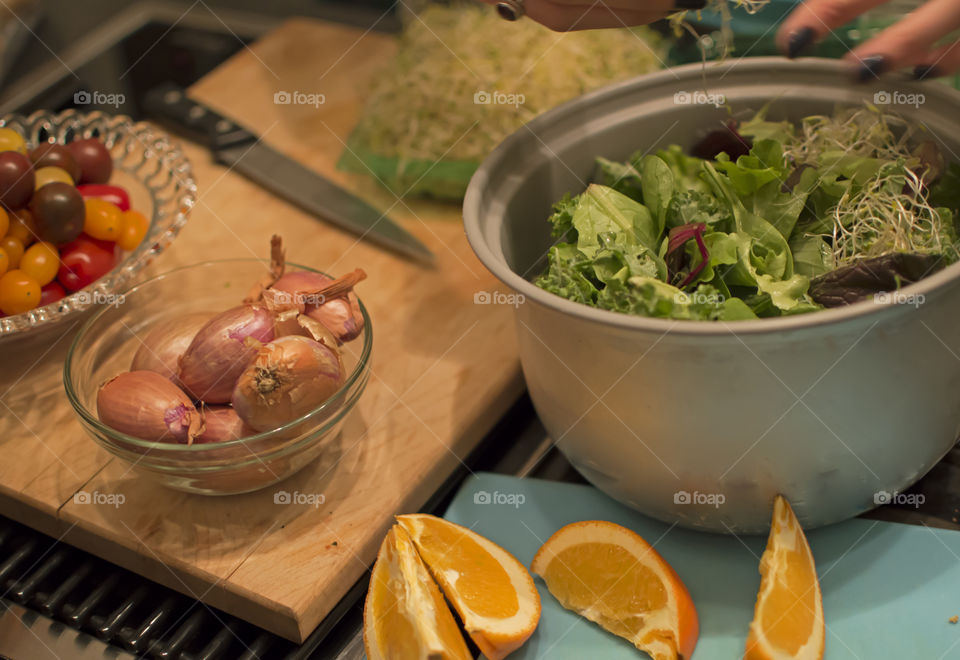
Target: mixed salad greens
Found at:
761, 219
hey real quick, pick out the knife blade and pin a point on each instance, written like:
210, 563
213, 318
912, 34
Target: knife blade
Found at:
240, 149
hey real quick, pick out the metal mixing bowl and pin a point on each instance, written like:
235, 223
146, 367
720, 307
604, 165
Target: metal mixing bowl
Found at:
702, 423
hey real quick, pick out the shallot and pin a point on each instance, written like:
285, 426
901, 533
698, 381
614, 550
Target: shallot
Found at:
220, 352
161, 348
290, 377
148, 406
340, 314
221, 424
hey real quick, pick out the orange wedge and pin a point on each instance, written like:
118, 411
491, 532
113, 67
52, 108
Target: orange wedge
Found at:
405, 616
788, 620
492, 592
611, 576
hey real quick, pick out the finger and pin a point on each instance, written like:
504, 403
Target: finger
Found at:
815, 19
940, 62
906, 42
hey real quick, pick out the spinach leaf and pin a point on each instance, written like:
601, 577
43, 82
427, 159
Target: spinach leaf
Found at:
686, 169
811, 255
622, 177
658, 188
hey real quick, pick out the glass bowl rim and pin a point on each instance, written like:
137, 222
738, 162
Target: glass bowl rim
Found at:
348, 384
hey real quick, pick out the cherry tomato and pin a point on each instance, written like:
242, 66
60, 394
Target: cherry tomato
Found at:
51, 293
41, 261
102, 220
22, 227
113, 194
55, 155
84, 261
44, 175
4, 223
4, 261
58, 212
14, 249
94, 160
135, 226
19, 292
10, 140
16, 179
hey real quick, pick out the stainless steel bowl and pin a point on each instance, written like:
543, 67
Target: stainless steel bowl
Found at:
703, 423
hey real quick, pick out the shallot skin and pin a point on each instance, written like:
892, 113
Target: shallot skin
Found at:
162, 347
220, 352
222, 424
341, 316
148, 406
291, 376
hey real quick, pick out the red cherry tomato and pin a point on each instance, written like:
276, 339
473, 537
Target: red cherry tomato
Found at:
51, 293
83, 261
113, 194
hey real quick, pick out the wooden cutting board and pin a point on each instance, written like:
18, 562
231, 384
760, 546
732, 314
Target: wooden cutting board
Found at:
444, 369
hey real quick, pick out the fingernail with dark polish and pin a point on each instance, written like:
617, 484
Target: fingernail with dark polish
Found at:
799, 41
871, 67
689, 4
925, 71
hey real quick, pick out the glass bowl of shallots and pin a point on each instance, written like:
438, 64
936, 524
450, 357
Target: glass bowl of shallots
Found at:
223, 377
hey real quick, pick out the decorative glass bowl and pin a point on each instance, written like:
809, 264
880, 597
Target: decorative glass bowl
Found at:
156, 175
105, 346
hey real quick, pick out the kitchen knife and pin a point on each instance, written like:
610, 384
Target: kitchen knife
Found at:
237, 148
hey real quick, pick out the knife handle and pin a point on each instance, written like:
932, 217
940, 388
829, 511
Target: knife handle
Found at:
169, 104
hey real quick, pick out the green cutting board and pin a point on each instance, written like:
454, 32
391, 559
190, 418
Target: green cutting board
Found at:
888, 589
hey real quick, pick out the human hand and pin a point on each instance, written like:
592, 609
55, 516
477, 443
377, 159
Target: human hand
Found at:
909, 42
568, 15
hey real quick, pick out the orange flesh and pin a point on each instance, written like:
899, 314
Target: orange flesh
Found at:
788, 608
484, 585
620, 585
396, 635
392, 624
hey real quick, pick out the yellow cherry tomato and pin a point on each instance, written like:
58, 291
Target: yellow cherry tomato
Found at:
102, 220
19, 292
41, 261
10, 140
4, 261
14, 249
4, 223
133, 229
21, 227
45, 175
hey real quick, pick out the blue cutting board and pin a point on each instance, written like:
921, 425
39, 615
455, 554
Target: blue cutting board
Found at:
888, 589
